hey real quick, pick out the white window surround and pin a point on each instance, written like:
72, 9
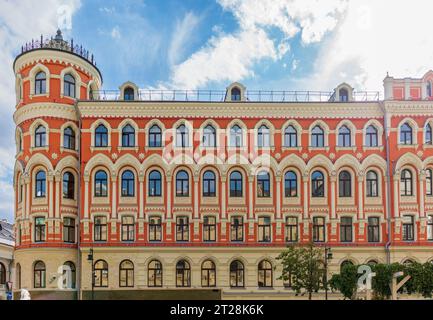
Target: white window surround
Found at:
161, 125
235, 200
271, 128
19, 140
241, 88
413, 198
430, 122
19, 88
92, 85
100, 200
123, 124
136, 186
326, 131
264, 200
77, 135
298, 129
33, 72
126, 85
320, 200
352, 129
412, 123
342, 87
183, 200
218, 135
154, 200
42, 200
190, 129
210, 200
346, 200
244, 128
299, 185
93, 128
32, 129
78, 82
379, 128
76, 181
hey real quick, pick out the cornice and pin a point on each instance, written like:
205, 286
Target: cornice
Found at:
410, 108
140, 109
38, 110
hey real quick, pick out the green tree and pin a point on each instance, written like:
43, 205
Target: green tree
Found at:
422, 279
303, 265
381, 282
346, 282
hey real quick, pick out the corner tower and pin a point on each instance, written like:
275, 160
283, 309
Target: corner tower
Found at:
51, 75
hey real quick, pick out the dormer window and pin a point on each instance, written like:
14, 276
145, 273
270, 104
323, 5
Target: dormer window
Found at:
344, 95
236, 94
128, 94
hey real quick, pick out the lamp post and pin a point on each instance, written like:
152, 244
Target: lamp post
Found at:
90, 258
328, 257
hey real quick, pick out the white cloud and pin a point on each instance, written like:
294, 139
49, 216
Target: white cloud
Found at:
115, 33
232, 57
43, 18
184, 31
376, 37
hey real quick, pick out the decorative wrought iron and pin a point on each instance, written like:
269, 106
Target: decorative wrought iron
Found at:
58, 43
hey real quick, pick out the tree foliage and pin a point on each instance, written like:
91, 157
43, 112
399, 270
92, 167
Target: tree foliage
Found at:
346, 282
304, 267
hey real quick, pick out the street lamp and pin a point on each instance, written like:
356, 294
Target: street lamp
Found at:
90, 259
328, 257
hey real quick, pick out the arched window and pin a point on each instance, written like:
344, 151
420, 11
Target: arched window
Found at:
345, 263
317, 185
39, 275
209, 184
69, 138
344, 137
406, 183
183, 274
41, 83
290, 185
429, 89
237, 274
41, 182
128, 136
263, 137
236, 94
182, 136
155, 183
101, 274
345, 184
18, 276
371, 138
208, 274
372, 184
154, 274
406, 134
101, 184
128, 184
236, 136
429, 182
126, 274
69, 275
263, 185
317, 137
428, 134
265, 274
236, 185
2, 274
68, 186
69, 86
290, 137
128, 94
182, 184
372, 263
101, 136
40, 137
344, 95
155, 137
209, 136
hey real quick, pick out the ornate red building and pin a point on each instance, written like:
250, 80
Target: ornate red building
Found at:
162, 193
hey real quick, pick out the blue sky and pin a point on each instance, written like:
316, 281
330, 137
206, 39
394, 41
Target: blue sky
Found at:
207, 44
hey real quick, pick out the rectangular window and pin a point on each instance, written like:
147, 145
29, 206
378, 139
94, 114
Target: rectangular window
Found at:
209, 229
100, 229
182, 229
319, 234
408, 228
69, 230
40, 229
346, 229
237, 229
373, 229
264, 227
128, 228
155, 229
291, 229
